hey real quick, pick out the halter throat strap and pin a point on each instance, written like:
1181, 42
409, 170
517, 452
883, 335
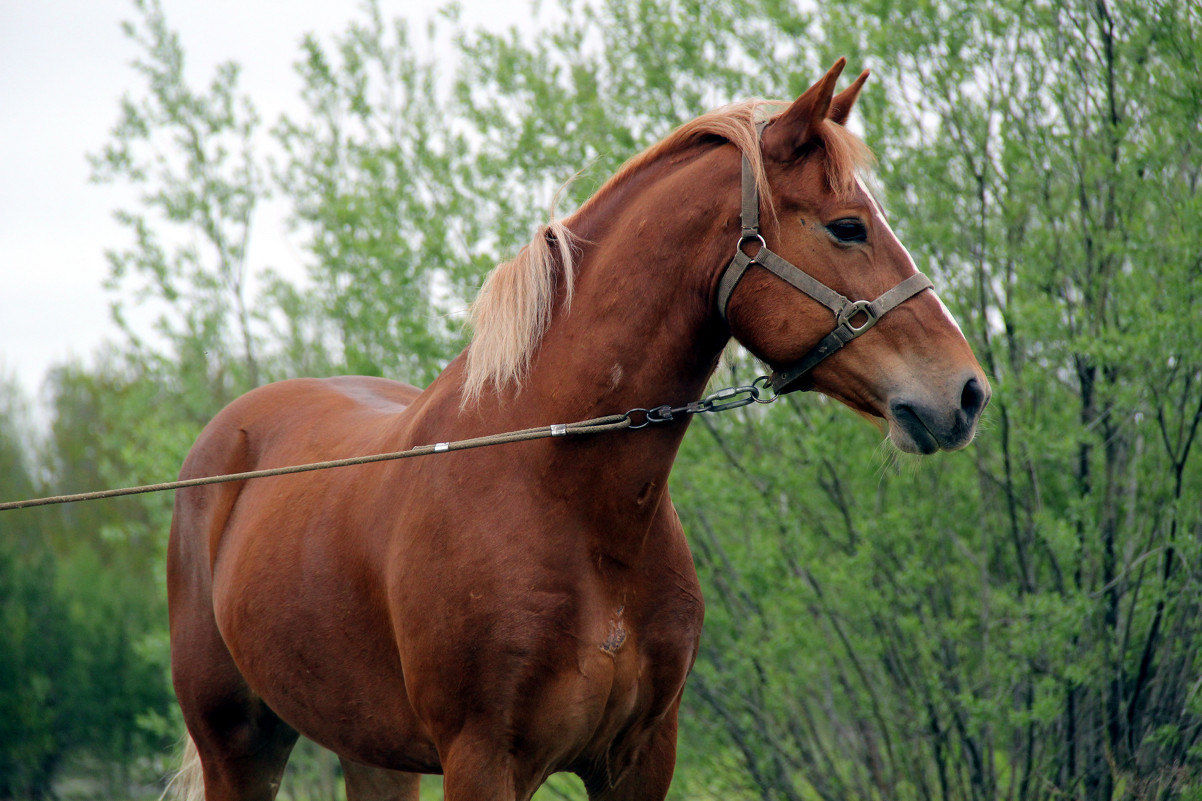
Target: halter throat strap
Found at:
852, 317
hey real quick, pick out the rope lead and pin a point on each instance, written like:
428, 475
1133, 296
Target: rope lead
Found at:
718, 402
597, 425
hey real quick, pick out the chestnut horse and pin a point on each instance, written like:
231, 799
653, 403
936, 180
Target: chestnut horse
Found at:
499, 615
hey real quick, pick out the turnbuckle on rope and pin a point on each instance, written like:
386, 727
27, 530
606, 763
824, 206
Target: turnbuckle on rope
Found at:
758, 391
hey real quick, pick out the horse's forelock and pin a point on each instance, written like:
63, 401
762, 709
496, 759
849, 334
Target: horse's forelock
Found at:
845, 156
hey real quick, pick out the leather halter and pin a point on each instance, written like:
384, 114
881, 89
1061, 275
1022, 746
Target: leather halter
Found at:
795, 376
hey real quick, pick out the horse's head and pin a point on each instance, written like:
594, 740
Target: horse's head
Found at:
913, 367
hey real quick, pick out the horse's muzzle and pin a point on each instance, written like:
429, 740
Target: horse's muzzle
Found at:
926, 425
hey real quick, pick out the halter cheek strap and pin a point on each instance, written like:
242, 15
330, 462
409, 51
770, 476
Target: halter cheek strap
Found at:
795, 376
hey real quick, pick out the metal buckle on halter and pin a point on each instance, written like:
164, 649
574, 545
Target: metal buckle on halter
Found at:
853, 309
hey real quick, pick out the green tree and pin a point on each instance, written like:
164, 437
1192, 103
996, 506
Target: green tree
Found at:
193, 155
1010, 639
32, 624
371, 174
1018, 620
35, 726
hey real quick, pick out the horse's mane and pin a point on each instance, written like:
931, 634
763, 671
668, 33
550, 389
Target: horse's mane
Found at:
514, 306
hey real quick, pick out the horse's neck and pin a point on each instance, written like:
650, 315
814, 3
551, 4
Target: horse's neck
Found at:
640, 332
641, 329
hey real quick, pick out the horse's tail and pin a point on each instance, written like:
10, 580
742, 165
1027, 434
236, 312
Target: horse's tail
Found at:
188, 783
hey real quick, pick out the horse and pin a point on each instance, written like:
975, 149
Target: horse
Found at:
503, 614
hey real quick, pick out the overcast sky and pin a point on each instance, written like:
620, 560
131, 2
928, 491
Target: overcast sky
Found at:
63, 67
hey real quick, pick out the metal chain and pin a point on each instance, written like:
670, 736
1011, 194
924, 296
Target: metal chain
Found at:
759, 391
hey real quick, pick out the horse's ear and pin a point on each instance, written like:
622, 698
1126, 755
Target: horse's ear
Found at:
842, 102
789, 133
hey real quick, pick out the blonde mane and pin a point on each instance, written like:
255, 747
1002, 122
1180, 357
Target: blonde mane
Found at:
515, 304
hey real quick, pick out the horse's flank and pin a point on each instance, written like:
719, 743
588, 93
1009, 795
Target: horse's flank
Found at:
516, 302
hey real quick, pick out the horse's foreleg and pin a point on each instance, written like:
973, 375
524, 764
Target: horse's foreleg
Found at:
649, 777
474, 769
379, 784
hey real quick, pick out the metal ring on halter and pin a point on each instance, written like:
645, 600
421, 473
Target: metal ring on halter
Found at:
756, 237
764, 391
854, 308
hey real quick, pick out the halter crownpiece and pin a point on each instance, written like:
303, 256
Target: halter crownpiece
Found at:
795, 376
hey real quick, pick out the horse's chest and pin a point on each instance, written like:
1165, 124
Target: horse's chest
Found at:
635, 668
650, 643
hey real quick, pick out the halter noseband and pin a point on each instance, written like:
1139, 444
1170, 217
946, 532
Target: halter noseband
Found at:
795, 376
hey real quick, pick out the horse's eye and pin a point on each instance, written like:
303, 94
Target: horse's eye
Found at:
848, 230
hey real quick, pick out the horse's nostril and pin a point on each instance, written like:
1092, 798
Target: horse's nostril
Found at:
973, 399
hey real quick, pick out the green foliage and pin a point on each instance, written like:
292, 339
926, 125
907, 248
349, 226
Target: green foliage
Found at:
80, 608
368, 170
32, 626
1018, 620
192, 153
1000, 627
35, 728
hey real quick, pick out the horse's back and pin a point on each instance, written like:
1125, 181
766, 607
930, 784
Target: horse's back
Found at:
345, 407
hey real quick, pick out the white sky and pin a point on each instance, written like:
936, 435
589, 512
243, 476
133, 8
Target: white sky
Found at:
63, 67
